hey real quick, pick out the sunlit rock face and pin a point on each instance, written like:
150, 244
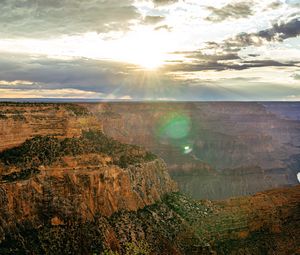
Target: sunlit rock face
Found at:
85, 186
92, 173
214, 150
19, 122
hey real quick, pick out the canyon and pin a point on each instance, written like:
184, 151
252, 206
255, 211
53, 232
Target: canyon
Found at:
226, 149
73, 180
213, 150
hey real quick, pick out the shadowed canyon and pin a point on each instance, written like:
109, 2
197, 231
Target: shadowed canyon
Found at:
214, 150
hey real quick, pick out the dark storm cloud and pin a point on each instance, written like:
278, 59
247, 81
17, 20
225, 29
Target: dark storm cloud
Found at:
153, 19
230, 11
40, 18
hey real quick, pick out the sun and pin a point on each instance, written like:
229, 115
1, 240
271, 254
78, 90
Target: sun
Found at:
147, 49
147, 58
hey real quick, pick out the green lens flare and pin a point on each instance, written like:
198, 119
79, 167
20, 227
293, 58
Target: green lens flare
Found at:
187, 149
175, 126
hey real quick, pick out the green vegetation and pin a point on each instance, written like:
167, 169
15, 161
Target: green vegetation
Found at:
22, 175
170, 226
45, 150
132, 248
19, 117
139, 248
3, 116
14, 114
78, 110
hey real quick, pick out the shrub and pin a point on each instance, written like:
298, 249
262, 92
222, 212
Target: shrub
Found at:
45, 150
78, 110
22, 175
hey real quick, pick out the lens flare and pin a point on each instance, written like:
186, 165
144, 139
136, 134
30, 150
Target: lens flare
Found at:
187, 149
175, 126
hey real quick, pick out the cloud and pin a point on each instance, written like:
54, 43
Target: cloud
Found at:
45, 93
274, 5
230, 11
295, 3
153, 19
296, 76
278, 32
15, 83
164, 2
32, 77
111, 79
210, 57
216, 63
39, 18
164, 27
221, 60
78, 73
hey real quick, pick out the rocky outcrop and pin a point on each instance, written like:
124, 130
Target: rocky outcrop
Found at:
267, 223
49, 184
19, 122
84, 176
84, 186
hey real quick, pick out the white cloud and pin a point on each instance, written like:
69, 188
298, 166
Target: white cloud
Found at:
55, 93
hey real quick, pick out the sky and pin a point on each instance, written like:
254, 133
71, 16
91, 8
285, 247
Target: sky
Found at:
150, 49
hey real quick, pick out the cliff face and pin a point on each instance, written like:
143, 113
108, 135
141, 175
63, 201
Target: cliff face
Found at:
82, 186
49, 184
19, 122
92, 173
267, 223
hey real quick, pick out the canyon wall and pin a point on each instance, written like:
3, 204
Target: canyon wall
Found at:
53, 216
213, 150
71, 190
21, 121
84, 186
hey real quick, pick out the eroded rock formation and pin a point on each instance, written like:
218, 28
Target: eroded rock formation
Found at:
213, 150
85, 193
247, 147
19, 122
